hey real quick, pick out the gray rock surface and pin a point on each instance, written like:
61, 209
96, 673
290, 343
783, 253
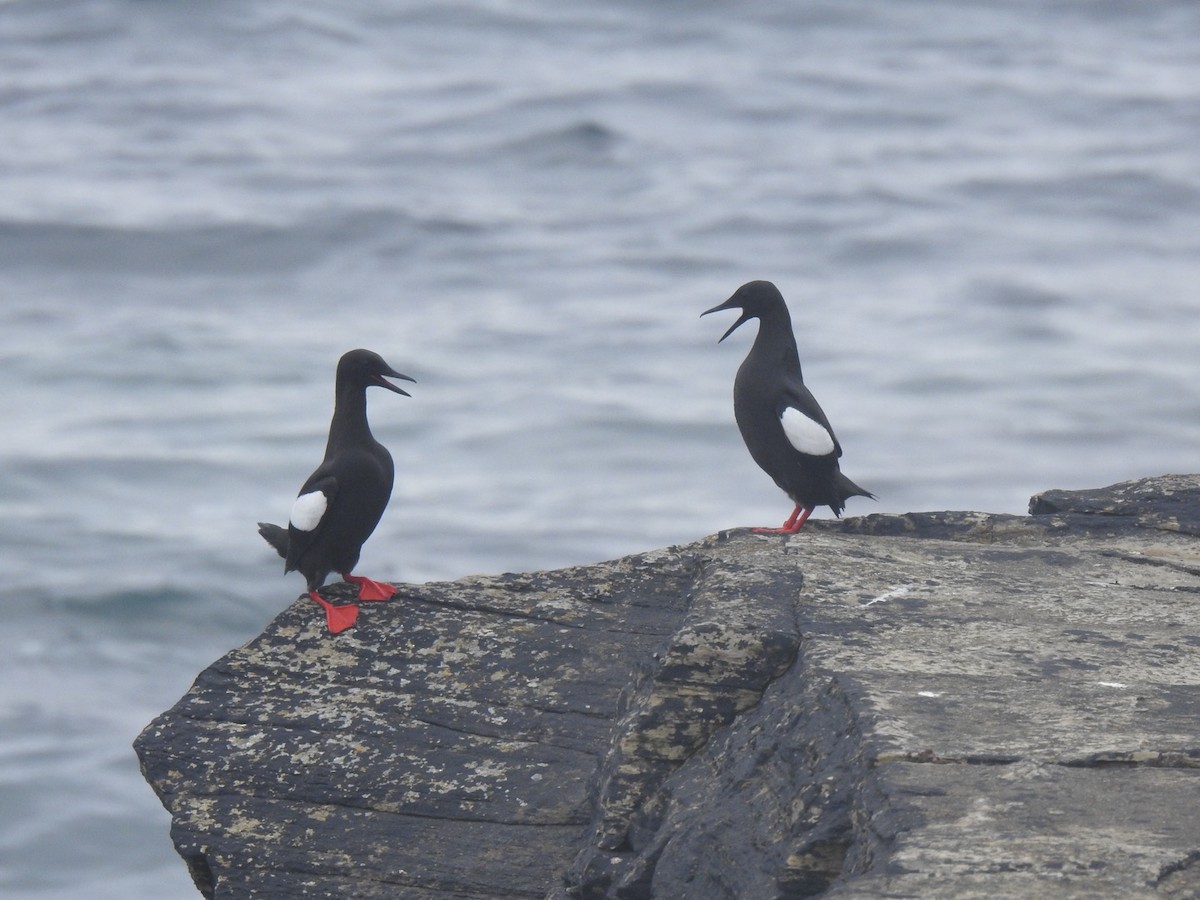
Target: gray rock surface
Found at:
935, 705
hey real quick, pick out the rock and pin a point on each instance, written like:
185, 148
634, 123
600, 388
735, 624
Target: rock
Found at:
1170, 502
943, 705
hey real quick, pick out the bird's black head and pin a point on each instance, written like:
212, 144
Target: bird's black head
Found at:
756, 300
364, 368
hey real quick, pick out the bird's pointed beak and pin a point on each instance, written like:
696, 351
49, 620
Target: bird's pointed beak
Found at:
383, 382
728, 304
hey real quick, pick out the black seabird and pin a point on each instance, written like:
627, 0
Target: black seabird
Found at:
343, 500
783, 426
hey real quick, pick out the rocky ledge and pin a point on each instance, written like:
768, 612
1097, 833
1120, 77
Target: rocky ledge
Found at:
935, 705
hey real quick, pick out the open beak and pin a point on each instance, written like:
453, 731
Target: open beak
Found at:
728, 304
383, 382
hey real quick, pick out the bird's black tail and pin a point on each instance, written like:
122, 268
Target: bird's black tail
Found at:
847, 488
275, 536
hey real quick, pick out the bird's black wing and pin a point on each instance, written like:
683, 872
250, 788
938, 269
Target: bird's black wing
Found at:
795, 394
310, 514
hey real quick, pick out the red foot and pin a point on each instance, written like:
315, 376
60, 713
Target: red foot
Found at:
794, 523
337, 618
370, 590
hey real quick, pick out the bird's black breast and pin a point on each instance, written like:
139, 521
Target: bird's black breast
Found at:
364, 477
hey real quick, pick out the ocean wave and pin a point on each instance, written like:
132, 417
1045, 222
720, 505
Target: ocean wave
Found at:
227, 248
1120, 194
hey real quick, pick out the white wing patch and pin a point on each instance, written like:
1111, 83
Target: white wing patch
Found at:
805, 434
308, 509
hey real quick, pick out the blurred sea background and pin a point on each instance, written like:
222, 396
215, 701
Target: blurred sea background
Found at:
985, 218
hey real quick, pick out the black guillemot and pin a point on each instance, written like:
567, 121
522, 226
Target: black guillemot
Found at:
342, 501
784, 428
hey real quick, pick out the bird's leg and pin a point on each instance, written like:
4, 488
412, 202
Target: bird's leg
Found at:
787, 526
337, 618
368, 589
794, 523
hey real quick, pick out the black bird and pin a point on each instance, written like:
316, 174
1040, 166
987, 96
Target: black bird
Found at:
343, 500
783, 426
